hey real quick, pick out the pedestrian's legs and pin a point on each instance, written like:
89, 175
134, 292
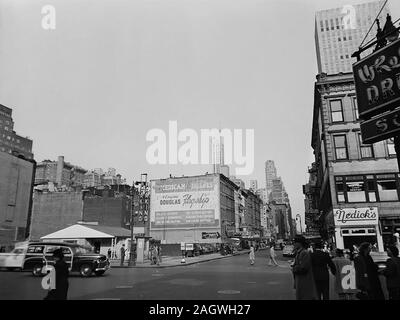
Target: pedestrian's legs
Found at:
122, 260
319, 288
276, 263
325, 290
270, 261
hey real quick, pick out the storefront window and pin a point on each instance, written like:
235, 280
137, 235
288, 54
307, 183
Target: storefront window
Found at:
340, 192
387, 190
356, 191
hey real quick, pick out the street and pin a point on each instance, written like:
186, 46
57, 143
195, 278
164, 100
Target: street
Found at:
224, 279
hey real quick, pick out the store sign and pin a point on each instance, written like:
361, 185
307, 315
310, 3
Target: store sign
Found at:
355, 216
377, 81
381, 128
210, 235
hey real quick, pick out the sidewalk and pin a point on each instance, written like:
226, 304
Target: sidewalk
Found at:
176, 261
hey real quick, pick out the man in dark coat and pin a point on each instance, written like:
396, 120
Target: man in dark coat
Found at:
302, 271
367, 279
321, 261
122, 252
392, 273
62, 273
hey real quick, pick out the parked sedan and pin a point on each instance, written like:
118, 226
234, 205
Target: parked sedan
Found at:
288, 251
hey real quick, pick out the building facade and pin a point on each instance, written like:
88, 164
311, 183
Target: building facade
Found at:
61, 174
355, 197
11, 142
340, 31
196, 209
16, 185
270, 174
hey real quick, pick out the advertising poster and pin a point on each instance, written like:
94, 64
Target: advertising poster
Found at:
181, 203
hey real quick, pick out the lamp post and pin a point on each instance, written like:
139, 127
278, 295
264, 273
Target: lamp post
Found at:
301, 228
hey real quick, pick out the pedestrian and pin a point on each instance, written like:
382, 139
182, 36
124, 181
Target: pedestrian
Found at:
321, 261
122, 252
159, 260
272, 256
340, 261
109, 253
392, 273
302, 271
252, 255
367, 278
62, 273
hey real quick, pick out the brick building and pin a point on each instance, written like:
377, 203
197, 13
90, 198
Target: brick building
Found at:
10, 141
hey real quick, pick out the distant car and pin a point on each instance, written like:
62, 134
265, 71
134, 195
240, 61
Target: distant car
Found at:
79, 258
277, 246
288, 251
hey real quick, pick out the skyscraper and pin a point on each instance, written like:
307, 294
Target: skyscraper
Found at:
218, 153
270, 174
340, 31
253, 185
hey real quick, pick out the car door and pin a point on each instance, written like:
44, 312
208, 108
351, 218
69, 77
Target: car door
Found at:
16, 260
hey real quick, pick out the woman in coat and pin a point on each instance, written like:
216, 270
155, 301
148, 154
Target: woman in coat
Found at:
367, 278
252, 255
62, 273
302, 271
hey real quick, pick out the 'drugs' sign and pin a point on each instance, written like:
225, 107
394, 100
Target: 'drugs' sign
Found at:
355, 216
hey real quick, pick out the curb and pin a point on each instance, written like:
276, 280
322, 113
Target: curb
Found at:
177, 265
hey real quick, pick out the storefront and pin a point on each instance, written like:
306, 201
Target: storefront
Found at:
354, 226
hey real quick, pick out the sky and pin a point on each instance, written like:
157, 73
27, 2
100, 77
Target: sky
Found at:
112, 70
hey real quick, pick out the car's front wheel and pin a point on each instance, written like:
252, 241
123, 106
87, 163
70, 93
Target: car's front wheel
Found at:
37, 270
99, 273
85, 270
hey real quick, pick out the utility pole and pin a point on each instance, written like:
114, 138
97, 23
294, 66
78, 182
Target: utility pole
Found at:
132, 261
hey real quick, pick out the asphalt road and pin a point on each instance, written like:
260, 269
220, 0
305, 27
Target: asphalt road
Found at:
231, 278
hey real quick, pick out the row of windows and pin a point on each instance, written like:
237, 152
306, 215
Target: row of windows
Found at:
367, 188
366, 150
336, 24
345, 39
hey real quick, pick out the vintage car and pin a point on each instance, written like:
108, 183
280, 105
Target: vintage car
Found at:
14, 259
79, 258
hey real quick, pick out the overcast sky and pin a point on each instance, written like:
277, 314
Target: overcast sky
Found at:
112, 70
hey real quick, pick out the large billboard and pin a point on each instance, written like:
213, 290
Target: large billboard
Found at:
182, 203
377, 81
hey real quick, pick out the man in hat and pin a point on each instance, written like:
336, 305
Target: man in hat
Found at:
321, 262
62, 272
302, 271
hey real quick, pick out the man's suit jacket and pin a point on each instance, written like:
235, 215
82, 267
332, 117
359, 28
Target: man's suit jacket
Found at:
321, 261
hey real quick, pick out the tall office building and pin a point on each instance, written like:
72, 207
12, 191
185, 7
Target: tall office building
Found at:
253, 185
270, 174
10, 141
340, 31
218, 153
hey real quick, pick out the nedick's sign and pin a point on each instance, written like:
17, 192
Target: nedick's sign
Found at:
377, 81
355, 216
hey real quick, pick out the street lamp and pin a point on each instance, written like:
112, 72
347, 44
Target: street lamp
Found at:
301, 228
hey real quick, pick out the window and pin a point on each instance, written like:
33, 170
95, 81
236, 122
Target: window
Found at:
390, 146
339, 39
371, 189
387, 189
347, 56
35, 249
340, 190
336, 110
344, 38
355, 104
367, 150
340, 147
355, 187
